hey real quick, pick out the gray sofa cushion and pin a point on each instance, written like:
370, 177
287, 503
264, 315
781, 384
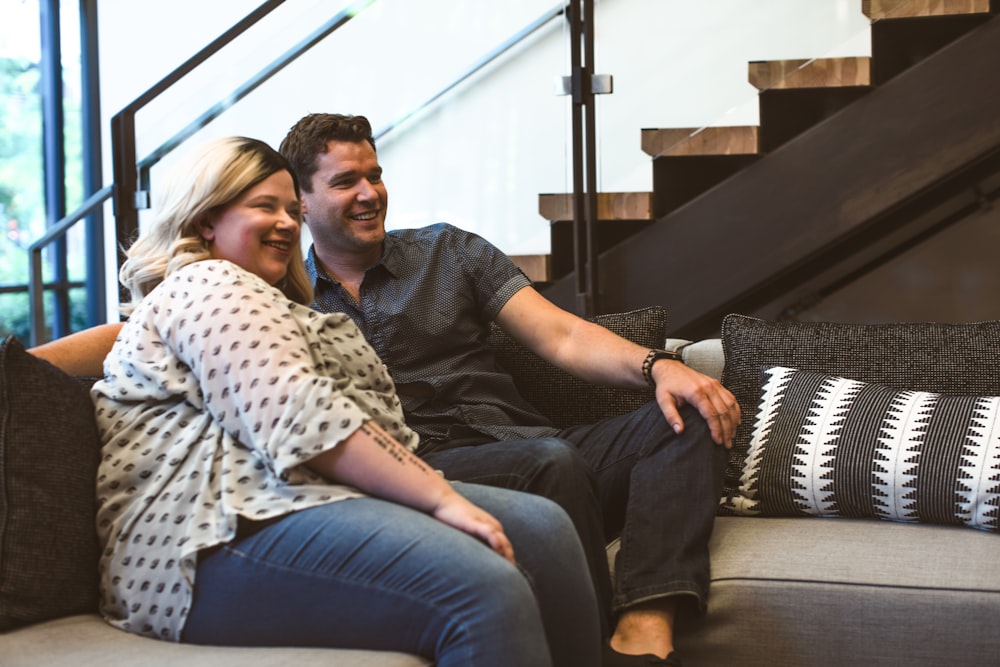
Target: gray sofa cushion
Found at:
48, 463
831, 592
566, 400
825, 445
958, 359
87, 641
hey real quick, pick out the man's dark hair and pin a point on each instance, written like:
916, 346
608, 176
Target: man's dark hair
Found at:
310, 135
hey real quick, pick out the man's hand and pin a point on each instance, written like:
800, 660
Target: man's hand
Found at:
677, 385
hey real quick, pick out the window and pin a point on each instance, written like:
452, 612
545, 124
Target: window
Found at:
23, 214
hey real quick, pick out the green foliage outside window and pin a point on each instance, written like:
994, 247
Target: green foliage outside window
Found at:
22, 191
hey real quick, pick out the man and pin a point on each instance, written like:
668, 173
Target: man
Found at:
425, 298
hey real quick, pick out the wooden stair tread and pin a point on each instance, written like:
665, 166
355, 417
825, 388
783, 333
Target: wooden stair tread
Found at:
895, 9
538, 268
810, 73
738, 140
610, 206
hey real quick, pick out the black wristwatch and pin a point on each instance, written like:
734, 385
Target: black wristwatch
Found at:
654, 356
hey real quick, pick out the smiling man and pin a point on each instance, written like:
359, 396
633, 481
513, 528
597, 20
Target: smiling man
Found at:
424, 298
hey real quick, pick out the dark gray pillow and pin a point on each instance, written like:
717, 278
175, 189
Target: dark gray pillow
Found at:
48, 466
563, 398
958, 359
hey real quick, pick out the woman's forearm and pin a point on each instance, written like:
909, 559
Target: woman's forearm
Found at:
379, 465
376, 463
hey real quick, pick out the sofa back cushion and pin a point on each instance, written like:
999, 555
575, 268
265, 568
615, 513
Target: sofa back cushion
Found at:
566, 400
48, 464
951, 359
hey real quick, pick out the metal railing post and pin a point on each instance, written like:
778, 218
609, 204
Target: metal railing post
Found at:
581, 20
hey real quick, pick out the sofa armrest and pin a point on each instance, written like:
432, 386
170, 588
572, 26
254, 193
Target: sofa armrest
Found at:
705, 356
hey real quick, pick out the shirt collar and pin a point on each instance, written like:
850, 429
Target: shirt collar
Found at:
392, 260
392, 255
314, 270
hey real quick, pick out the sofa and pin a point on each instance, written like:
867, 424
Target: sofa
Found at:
848, 550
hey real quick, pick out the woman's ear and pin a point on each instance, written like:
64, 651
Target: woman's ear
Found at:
205, 227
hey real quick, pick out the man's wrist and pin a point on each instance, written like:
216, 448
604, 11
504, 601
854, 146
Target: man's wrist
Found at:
654, 356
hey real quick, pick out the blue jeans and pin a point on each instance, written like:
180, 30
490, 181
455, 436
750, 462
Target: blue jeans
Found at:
629, 476
372, 574
549, 467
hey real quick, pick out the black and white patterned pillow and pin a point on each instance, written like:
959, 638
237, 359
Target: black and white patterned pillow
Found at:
825, 445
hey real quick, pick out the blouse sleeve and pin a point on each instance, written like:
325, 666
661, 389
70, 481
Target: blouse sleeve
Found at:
254, 364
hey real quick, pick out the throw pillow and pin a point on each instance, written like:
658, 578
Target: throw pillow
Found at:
961, 359
830, 446
566, 400
48, 466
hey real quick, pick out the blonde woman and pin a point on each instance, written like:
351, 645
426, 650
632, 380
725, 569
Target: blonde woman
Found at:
257, 483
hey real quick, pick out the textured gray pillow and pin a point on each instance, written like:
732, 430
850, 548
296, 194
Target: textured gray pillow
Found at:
48, 465
960, 359
563, 398
825, 445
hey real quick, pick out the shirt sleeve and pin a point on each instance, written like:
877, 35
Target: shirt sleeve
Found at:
253, 363
495, 276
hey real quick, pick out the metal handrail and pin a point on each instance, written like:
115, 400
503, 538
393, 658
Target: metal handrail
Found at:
253, 83
35, 281
518, 37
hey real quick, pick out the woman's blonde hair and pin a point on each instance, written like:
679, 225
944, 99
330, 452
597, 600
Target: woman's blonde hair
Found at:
210, 178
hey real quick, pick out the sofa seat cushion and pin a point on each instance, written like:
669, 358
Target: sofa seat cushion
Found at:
846, 591
87, 641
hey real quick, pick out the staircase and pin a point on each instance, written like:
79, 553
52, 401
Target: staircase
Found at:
855, 161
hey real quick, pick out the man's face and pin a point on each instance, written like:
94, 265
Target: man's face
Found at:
346, 209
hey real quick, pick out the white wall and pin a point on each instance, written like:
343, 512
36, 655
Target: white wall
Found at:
480, 157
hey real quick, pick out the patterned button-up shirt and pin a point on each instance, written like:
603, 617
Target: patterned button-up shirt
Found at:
426, 308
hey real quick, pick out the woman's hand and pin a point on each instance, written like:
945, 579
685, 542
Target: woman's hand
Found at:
371, 460
457, 512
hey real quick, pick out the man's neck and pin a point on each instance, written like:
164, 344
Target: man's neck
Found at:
348, 268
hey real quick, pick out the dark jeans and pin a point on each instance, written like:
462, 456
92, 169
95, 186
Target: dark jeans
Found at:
629, 476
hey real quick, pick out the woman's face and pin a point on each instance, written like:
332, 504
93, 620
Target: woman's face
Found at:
259, 229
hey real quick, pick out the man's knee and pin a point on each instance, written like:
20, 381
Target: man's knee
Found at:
558, 461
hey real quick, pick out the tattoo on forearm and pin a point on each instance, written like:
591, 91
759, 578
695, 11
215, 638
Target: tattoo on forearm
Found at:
393, 448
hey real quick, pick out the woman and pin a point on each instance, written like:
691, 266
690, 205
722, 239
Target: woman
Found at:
257, 483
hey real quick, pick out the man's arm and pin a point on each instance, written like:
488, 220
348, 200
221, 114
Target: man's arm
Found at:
592, 353
81, 353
